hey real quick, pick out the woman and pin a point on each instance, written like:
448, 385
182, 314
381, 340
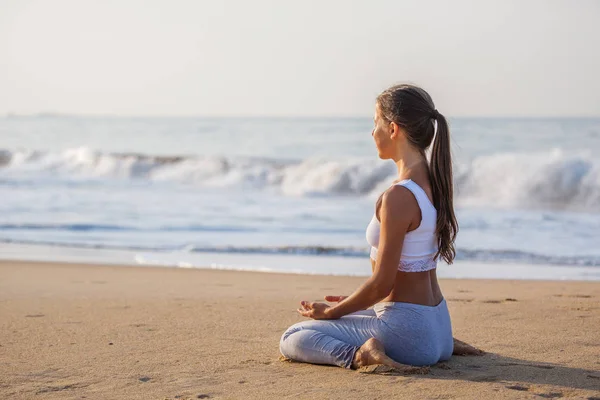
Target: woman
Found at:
414, 225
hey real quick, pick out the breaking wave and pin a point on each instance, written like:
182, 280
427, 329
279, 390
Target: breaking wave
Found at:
553, 180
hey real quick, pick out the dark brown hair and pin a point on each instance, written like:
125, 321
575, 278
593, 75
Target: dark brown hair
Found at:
412, 109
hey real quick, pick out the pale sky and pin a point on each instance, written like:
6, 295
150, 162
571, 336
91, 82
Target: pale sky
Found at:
297, 58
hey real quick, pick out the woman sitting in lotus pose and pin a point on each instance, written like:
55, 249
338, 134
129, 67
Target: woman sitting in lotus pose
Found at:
414, 225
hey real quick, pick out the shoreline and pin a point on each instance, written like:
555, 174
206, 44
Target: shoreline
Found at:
146, 267
287, 264
104, 331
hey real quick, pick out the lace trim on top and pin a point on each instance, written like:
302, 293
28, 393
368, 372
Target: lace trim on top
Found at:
411, 265
417, 265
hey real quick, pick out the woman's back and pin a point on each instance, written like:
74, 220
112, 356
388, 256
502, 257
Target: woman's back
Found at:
418, 287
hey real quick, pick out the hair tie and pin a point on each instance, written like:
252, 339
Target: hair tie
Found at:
435, 114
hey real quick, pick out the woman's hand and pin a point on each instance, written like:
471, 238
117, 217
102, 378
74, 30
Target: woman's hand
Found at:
314, 310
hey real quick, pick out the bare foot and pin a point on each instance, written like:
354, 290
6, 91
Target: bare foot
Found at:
372, 352
463, 349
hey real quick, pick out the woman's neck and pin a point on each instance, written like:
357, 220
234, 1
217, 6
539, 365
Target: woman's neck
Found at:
407, 162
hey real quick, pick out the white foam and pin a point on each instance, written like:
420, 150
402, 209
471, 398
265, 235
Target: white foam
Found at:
539, 180
545, 180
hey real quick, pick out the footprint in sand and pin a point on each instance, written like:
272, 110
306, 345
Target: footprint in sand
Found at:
485, 379
576, 296
518, 387
462, 300
508, 299
61, 387
551, 395
252, 361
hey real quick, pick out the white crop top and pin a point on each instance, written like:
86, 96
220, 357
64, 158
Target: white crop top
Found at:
420, 245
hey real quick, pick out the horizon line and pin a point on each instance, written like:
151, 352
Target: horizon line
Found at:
46, 114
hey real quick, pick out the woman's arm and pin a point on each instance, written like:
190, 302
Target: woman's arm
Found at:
373, 263
395, 221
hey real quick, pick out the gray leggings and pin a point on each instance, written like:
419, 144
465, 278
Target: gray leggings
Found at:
412, 334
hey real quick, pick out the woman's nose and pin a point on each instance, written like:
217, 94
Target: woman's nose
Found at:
373, 132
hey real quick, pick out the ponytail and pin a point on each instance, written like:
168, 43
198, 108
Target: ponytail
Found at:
440, 170
412, 108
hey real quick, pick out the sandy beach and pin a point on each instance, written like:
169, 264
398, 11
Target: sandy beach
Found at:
116, 332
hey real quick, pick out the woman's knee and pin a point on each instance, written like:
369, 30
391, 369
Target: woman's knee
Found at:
294, 328
286, 346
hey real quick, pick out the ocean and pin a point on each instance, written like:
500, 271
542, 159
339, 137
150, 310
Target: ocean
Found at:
289, 194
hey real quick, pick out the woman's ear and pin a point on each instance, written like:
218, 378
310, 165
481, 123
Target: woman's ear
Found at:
394, 130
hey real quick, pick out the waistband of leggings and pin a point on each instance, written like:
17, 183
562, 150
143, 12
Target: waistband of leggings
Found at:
399, 305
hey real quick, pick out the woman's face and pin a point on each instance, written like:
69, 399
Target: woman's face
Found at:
382, 135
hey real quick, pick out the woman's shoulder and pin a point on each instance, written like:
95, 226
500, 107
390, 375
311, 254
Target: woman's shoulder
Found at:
398, 202
418, 187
